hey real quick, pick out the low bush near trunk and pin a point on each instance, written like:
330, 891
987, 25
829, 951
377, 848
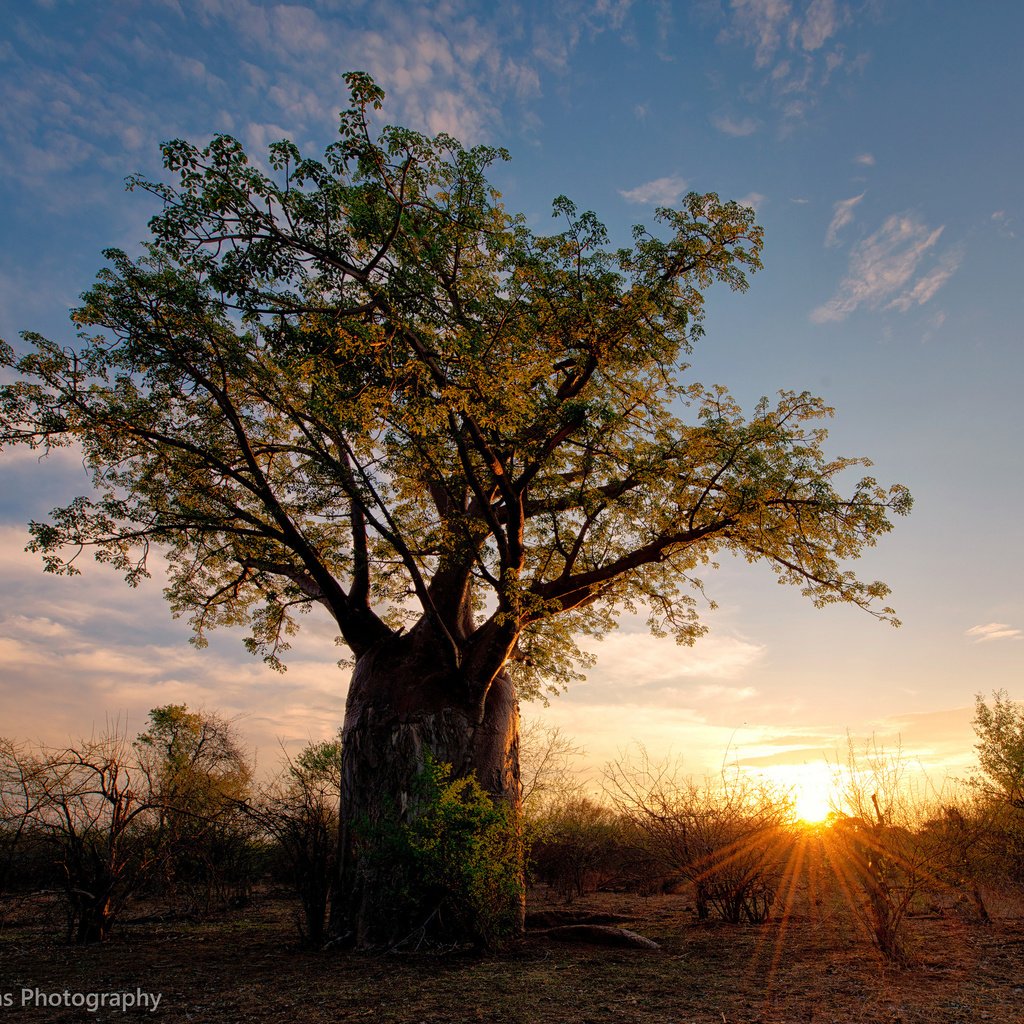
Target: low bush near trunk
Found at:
450, 867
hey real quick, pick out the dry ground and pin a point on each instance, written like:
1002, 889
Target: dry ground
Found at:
813, 963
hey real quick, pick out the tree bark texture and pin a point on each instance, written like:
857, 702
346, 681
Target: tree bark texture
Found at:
404, 709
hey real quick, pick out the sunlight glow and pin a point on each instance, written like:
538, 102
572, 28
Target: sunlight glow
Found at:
812, 805
812, 787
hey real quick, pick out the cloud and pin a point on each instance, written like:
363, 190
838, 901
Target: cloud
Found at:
769, 25
934, 742
736, 127
661, 191
761, 24
929, 284
883, 267
864, 159
79, 652
1004, 224
755, 200
639, 660
460, 71
820, 23
796, 46
727, 693
994, 631
841, 216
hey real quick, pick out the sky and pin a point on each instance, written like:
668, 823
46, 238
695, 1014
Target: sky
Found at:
881, 145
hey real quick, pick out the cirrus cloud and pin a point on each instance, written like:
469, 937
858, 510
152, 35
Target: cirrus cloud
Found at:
886, 270
993, 631
737, 127
842, 214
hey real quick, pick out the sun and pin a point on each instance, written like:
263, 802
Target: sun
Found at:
812, 787
813, 805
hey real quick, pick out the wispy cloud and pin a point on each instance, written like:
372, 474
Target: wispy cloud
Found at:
864, 159
636, 660
1004, 224
660, 192
884, 270
762, 25
465, 74
715, 691
755, 200
927, 285
842, 214
994, 631
734, 126
820, 22
795, 44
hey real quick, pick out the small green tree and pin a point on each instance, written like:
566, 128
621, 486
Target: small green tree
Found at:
999, 727
1000, 747
201, 776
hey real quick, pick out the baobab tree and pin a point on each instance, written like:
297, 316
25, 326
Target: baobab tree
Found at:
360, 383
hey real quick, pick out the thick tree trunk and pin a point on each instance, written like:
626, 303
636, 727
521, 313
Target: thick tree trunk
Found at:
403, 712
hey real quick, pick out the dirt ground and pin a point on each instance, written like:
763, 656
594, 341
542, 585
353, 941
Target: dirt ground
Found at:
812, 963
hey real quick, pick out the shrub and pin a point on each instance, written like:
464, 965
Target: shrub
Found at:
575, 846
200, 776
879, 846
299, 811
452, 868
728, 839
88, 807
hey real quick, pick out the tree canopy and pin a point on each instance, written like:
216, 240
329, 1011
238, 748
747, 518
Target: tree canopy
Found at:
360, 382
1000, 746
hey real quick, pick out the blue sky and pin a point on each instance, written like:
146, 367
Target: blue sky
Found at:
881, 145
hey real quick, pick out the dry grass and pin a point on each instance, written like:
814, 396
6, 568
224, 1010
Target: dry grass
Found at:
811, 963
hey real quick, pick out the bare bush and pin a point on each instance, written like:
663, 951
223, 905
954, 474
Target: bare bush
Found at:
877, 846
727, 838
547, 766
299, 812
89, 806
960, 833
16, 804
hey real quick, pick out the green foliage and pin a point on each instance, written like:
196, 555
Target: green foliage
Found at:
454, 869
1000, 732
318, 764
196, 758
200, 776
294, 392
